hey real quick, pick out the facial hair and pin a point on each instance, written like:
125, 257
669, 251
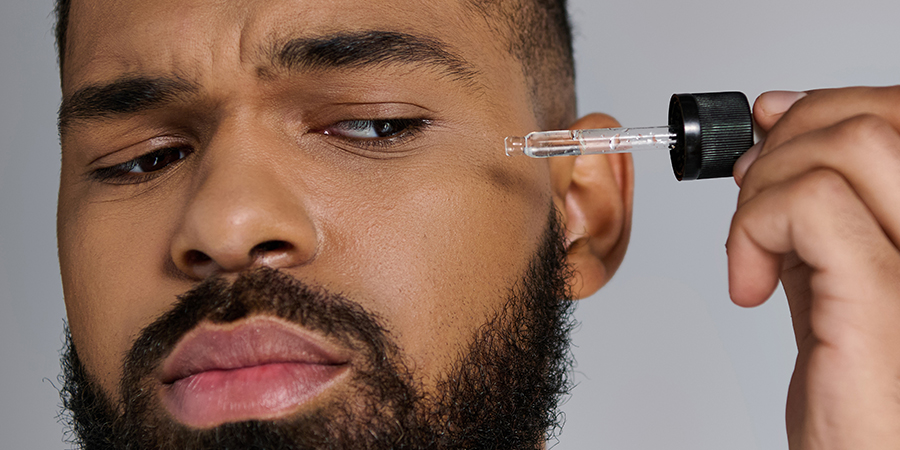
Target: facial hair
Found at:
502, 393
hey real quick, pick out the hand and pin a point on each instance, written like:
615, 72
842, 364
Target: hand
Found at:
819, 208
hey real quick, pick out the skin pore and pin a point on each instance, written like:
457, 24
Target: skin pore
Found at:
353, 146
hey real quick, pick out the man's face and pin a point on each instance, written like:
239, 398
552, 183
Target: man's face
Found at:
355, 146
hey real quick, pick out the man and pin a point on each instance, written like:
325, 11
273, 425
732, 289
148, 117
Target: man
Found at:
288, 225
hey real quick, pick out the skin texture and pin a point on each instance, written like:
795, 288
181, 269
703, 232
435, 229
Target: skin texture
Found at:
818, 209
430, 234
428, 231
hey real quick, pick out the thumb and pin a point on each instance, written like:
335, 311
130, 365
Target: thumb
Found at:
770, 106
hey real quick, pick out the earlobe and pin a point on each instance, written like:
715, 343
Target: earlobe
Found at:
594, 194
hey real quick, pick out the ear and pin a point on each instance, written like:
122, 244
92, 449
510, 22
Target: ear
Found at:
594, 193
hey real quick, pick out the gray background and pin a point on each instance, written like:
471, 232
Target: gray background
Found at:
664, 359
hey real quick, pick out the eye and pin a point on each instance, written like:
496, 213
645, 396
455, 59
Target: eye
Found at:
138, 169
374, 130
155, 161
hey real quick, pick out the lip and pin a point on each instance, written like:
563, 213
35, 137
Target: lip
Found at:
259, 368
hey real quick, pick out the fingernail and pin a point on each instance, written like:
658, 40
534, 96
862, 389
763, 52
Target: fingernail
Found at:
777, 102
745, 161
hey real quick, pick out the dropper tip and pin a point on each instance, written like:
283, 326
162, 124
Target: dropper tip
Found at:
515, 145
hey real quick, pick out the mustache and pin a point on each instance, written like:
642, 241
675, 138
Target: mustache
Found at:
259, 291
501, 391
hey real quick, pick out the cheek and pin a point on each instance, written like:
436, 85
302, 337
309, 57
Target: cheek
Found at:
432, 247
111, 267
436, 251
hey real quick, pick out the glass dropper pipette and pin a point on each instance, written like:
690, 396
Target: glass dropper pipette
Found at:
544, 144
706, 134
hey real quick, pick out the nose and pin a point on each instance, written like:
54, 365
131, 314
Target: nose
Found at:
243, 213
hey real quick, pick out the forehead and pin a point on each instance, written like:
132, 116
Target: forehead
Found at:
107, 38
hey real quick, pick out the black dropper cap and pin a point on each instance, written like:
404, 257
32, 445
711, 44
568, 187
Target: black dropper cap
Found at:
712, 131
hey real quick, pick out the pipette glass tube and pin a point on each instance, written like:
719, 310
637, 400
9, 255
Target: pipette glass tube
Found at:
544, 144
706, 135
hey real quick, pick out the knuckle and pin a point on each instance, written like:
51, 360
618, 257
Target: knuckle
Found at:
870, 133
823, 185
742, 220
865, 127
750, 186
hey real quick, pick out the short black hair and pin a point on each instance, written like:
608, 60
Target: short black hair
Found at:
537, 32
61, 10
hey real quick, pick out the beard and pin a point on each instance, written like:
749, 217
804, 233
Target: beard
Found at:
501, 392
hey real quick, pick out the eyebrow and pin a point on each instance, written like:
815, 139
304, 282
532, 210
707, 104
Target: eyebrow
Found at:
357, 50
352, 50
126, 95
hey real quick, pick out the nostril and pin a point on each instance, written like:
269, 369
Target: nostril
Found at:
270, 246
196, 257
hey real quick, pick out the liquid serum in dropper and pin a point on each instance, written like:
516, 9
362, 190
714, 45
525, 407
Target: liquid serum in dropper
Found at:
706, 134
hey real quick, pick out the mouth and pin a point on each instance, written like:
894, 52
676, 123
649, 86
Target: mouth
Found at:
260, 368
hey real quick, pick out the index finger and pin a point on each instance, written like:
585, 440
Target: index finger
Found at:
824, 108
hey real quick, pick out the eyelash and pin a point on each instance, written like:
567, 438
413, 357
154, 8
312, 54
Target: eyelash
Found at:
121, 173
408, 128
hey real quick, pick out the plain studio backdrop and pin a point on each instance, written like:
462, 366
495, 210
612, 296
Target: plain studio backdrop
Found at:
665, 361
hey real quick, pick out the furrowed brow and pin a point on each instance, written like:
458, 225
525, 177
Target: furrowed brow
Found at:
372, 49
128, 95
